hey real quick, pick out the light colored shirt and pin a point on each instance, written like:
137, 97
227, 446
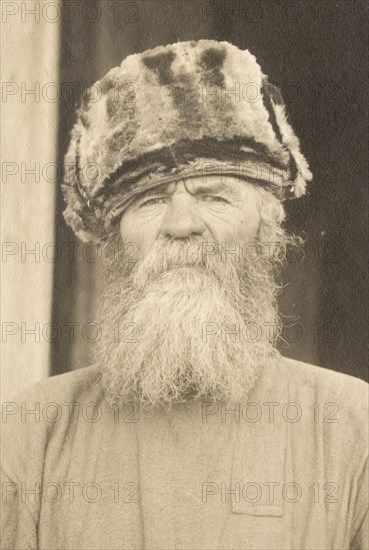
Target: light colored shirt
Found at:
286, 468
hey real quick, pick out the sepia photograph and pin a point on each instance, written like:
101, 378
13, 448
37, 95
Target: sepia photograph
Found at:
184, 275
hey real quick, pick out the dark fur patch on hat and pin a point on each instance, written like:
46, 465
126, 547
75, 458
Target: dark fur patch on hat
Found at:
160, 64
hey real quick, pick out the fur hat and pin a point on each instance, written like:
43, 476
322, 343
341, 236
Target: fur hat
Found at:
175, 111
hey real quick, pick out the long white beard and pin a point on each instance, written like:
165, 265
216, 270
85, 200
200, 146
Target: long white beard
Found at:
177, 326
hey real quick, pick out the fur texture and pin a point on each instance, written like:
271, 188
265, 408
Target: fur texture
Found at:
161, 110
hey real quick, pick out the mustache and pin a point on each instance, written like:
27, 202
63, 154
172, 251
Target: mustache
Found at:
193, 256
175, 254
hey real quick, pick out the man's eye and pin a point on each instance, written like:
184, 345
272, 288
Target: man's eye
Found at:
153, 201
213, 198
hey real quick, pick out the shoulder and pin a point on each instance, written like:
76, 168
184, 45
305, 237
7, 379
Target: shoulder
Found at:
77, 386
47, 406
333, 397
322, 383
336, 397
81, 383
40, 412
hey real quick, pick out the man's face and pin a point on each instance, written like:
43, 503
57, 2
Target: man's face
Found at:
181, 323
218, 209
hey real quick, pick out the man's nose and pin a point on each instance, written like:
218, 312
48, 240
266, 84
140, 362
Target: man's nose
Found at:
182, 219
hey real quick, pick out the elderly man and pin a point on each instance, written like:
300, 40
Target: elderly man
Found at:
190, 431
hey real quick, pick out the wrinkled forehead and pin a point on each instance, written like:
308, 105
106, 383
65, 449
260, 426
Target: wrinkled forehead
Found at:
230, 186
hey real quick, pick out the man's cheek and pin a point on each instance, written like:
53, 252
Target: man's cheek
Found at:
145, 243
223, 226
237, 231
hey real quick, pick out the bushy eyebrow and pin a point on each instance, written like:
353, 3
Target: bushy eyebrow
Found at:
160, 190
216, 187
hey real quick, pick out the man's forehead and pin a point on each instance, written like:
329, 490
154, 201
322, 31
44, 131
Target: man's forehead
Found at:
230, 185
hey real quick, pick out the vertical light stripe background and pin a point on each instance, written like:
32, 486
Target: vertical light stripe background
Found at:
29, 61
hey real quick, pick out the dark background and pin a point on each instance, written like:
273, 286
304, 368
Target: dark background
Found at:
316, 51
